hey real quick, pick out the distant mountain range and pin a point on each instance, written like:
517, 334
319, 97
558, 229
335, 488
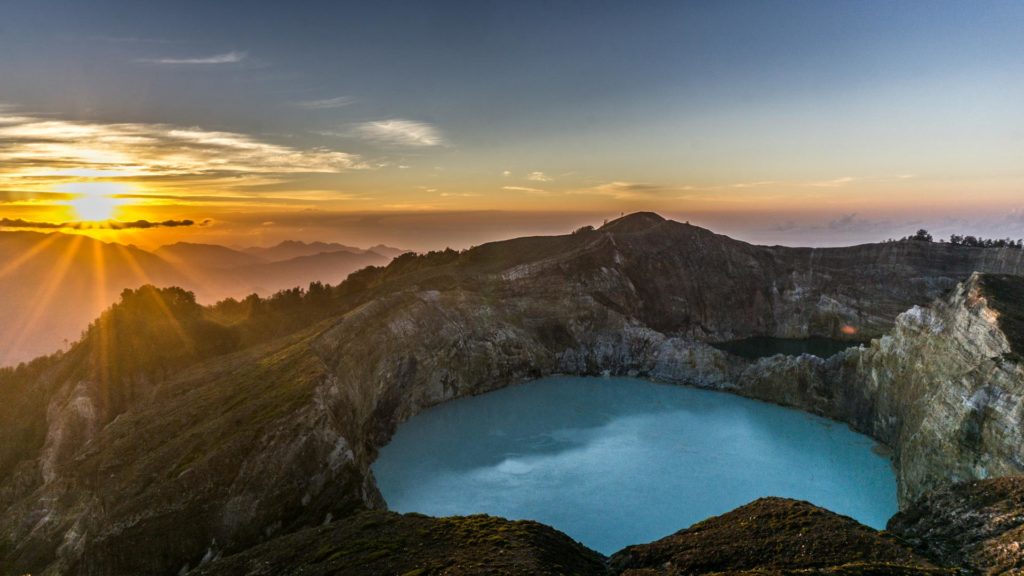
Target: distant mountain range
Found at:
53, 285
295, 249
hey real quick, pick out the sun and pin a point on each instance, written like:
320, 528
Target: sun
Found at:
95, 201
94, 208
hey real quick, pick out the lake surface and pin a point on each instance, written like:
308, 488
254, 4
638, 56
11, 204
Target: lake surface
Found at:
764, 346
619, 461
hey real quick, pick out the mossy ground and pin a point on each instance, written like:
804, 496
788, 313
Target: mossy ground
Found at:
378, 542
774, 536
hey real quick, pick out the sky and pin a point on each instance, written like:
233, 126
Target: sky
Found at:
432, 124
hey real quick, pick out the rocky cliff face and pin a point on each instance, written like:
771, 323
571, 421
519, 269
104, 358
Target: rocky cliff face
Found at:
944, 389
975, 525
224, 453
948, 390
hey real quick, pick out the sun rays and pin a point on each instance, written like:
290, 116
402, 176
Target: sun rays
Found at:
133, 263
94, 269
39, 304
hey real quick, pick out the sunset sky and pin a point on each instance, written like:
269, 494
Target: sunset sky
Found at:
426, 124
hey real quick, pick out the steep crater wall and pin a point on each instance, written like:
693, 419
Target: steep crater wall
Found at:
943, 390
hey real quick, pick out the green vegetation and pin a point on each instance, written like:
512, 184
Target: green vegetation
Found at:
376, 542
974, 242
775, 536
154, 331
24, 394
968, 241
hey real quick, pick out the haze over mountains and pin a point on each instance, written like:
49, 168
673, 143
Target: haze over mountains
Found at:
53, 285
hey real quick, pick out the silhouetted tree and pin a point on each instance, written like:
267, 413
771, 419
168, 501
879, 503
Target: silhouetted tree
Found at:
922, 235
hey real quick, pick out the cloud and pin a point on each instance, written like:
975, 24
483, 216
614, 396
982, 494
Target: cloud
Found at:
538, 177
1015, 216
626, 190
28, 197
843, 222
292, 198
834, 183
110, 224
753, 184
525, 189
853, 223
232, 57
43, 151
409, 206
135, 40
327, 103
401, 133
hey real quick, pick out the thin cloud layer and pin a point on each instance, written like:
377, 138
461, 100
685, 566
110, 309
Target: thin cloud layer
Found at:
110, 225
834, 183
232, 57
626, 190
327, 103
401, 133
38, 151
526, 189
22, 196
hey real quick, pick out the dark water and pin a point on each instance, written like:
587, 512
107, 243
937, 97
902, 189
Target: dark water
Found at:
764, 346
618, 461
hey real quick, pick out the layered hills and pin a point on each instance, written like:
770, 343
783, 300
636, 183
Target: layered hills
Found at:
53, 285
166, 441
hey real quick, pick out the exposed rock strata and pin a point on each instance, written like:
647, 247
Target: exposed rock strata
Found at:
241, 448
976, 525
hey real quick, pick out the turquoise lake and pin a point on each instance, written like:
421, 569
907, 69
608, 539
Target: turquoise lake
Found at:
619, 461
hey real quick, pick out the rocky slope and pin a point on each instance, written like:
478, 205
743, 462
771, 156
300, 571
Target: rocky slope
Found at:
772, 535
151, 472
976, 525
